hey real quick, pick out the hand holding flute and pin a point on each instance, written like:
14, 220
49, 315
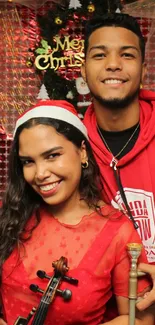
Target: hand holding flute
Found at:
149, 297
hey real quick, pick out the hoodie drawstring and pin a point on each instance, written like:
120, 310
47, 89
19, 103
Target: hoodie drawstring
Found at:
113, 164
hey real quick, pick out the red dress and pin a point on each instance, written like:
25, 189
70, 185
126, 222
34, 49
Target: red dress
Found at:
97, 257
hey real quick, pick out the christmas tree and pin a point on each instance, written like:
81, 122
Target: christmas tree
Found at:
43, 93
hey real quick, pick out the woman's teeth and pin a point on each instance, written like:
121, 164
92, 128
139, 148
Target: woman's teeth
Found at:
48, 187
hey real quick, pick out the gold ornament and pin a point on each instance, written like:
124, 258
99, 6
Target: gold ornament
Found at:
58, 21
29, 63
91, 7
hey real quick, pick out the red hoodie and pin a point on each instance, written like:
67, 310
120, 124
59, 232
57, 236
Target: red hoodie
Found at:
137, 171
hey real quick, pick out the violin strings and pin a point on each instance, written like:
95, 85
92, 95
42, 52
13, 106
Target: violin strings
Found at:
40, 311
41, 308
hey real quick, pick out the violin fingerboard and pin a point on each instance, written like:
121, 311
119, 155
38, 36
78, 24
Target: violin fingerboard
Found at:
21, 321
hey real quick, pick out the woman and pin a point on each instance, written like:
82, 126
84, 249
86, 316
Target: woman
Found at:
53, 208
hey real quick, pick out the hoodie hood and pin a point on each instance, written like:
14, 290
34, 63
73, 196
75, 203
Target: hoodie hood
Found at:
147, 130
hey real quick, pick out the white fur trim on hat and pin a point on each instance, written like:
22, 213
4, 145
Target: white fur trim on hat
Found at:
54, 112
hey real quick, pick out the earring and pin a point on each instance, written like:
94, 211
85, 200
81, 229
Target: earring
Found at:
141, 85
85, 165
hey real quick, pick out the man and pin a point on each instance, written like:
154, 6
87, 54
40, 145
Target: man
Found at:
121, 119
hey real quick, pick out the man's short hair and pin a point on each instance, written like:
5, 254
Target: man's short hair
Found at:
116, 20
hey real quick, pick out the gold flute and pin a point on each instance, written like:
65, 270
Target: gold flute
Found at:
134, 250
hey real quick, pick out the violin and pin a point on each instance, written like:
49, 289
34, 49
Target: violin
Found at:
39, 314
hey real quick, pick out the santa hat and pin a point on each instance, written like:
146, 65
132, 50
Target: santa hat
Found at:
54, 109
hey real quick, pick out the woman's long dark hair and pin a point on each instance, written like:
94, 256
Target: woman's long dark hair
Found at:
21, 201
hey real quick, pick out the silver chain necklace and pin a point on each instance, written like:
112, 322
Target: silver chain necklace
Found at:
118, 154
